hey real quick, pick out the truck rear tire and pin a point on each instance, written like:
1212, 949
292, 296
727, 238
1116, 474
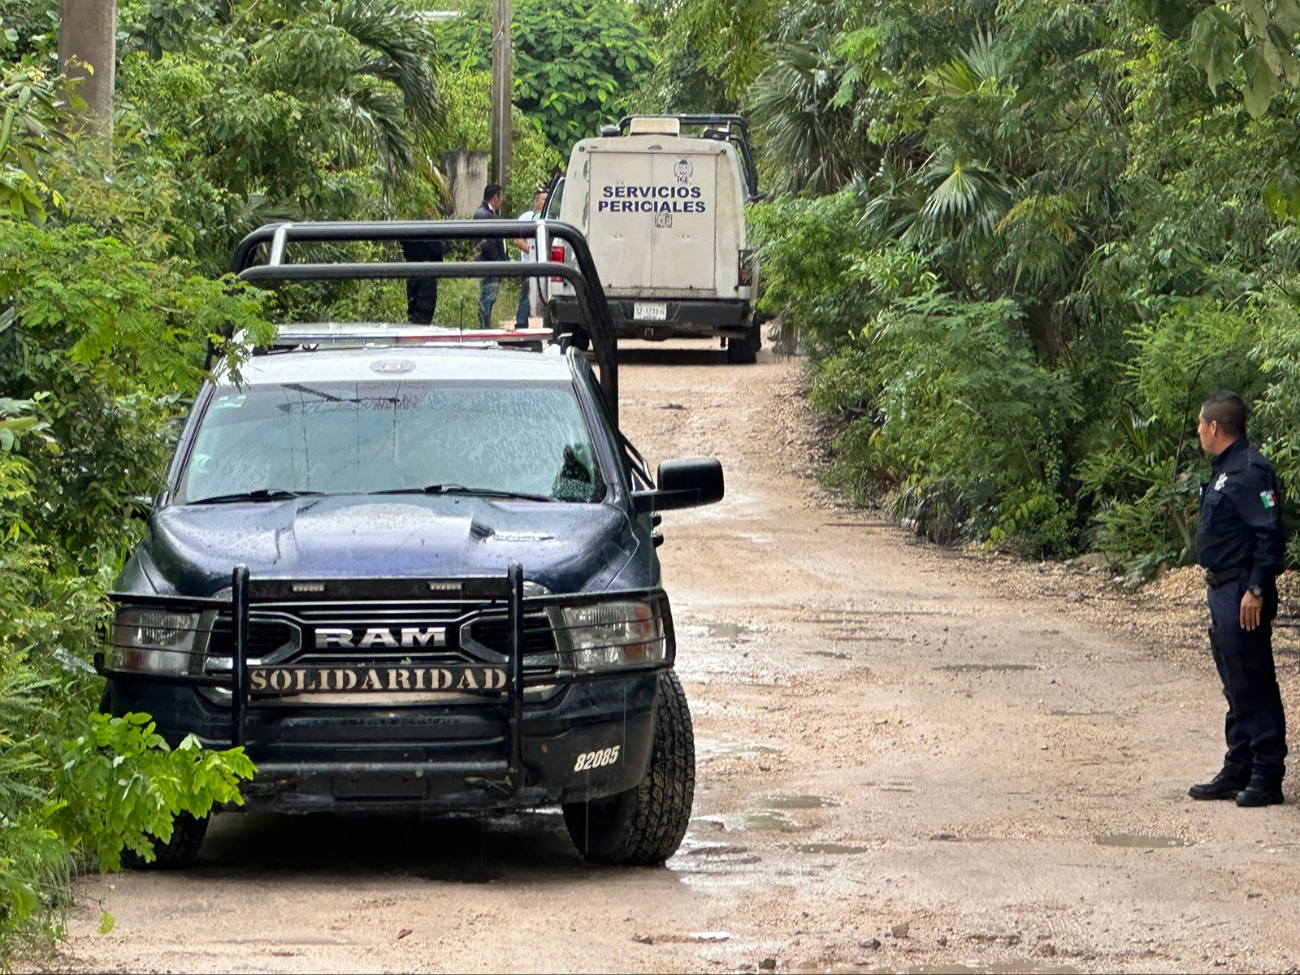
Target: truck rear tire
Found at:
177, 853
644, 826
744, 351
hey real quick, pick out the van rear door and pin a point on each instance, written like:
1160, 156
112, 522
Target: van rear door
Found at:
653, 215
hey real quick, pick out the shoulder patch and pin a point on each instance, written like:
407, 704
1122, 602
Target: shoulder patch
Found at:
1269, 498
1223, 479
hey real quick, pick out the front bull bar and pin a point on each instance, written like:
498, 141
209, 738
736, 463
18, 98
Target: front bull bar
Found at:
506, 777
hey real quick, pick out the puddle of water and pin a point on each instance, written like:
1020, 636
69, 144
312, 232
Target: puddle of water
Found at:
708, 748
970, 668
715, 850
772, 822
786, 801
723, 631
1143, 841
829, 849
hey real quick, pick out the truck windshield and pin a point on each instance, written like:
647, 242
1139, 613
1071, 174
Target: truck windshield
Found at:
274, 441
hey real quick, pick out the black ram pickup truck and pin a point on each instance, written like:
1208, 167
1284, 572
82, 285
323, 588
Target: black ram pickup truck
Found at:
410, 572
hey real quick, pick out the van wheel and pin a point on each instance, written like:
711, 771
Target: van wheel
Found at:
744, 350
177, 853
645, 825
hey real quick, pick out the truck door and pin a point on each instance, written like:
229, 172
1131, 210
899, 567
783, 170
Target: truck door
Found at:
682, 247
617, 225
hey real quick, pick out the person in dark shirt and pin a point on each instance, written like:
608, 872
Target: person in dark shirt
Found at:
1240, 543
422, 293
492, 249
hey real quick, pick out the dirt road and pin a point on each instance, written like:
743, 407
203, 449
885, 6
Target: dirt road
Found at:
902, 766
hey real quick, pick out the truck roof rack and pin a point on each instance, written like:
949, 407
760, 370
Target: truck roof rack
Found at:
725, 128
273, 240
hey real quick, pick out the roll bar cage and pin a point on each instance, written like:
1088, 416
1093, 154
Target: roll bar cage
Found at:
273, 240
734, 129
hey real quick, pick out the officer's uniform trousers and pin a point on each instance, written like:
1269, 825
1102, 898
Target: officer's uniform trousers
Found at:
1255, 726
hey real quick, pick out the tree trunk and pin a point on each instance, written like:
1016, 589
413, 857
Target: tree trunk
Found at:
502, 92
88, 50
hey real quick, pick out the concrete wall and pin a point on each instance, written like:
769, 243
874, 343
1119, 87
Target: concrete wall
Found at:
467, 174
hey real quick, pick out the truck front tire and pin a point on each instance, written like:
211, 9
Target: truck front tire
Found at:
645, 825
177, 853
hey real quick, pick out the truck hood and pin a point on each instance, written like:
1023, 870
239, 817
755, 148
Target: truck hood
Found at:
192, 550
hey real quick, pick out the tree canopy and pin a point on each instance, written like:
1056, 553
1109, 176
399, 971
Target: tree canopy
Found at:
576, 63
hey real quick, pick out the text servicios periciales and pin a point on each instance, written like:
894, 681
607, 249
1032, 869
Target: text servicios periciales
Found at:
651, 199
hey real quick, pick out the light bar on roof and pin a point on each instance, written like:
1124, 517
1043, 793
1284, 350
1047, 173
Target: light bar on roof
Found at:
360, 334
655, 125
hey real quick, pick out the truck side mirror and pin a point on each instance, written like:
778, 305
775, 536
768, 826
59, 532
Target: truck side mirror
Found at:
683, 484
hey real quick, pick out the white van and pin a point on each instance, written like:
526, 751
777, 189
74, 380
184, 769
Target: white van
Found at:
664, 214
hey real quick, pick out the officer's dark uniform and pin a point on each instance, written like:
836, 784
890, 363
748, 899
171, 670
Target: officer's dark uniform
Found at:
421, 293
1240, 544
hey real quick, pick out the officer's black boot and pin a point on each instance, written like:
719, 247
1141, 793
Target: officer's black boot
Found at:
1225, 785
1260, 792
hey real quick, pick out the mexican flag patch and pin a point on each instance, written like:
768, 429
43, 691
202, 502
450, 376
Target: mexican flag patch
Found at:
1269, 498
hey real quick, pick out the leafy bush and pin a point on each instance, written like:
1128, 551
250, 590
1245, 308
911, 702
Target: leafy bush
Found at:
104, 321
1142, 469
965, 421
129, 786
809, 249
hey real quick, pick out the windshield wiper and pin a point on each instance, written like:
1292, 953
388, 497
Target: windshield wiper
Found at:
462, 489
261, 494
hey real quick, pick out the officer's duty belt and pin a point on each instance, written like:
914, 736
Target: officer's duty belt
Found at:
1224, 576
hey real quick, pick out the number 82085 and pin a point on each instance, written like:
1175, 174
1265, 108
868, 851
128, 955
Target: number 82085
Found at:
591, 760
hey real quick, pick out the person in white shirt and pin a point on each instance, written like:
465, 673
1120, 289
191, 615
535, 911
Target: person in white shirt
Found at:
529, 290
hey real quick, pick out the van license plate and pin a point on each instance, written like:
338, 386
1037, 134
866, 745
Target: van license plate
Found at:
650, 311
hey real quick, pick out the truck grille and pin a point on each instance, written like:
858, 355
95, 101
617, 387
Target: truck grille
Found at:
264, 637
495, 634
435, 632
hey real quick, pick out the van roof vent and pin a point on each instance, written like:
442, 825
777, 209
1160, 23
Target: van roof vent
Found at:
654, 125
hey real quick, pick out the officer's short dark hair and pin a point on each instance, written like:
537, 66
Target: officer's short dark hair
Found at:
1228, 410
491, 190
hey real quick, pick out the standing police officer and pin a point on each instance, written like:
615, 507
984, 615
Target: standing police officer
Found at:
1240, 544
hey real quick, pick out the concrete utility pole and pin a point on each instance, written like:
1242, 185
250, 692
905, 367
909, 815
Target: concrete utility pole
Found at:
88, 34
502, 92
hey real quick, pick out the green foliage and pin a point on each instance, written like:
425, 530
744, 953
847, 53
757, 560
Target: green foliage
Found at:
713, 46
104, 355
1142, 470
129, 786
808, 247
1095, 205
30, 113
299, 109
469, 111
962, 418
104, 322
575, 61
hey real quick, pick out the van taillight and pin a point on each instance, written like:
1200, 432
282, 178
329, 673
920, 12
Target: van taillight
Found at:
557, 257
745, 269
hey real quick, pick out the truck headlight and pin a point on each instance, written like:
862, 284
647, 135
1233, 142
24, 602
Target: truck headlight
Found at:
609, 635
156, 641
